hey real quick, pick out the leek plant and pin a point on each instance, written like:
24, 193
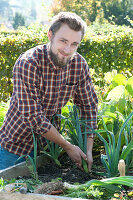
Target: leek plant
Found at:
74, 131
33, 166
110, 185
54, 152
33, 160
113, 148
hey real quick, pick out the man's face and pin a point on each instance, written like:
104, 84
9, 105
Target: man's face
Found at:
63, 44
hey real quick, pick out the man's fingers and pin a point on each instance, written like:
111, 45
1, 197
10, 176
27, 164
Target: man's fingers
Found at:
90, 162
89, 166
83, 155
79, 166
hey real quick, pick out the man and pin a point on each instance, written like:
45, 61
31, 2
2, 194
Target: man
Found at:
45, 78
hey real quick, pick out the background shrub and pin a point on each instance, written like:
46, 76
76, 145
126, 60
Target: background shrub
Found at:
105, 47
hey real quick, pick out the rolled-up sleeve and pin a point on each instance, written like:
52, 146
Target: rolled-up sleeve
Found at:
86, 99
27, 91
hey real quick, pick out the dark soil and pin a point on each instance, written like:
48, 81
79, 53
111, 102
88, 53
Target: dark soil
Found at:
68, 171
71, 174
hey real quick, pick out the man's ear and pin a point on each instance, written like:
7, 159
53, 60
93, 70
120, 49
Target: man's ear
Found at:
50, 35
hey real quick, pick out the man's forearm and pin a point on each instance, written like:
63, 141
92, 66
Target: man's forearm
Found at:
89, 152
90, 144
74, 152
54, 136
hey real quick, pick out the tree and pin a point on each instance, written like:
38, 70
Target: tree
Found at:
87, 9
118, 11
18, 20
90, 10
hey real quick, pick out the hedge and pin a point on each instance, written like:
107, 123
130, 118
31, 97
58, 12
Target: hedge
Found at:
104, 48
11, 46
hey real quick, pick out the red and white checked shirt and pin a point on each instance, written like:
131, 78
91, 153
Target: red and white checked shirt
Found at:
41, 90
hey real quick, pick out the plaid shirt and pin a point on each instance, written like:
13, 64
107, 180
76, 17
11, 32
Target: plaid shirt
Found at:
40, 91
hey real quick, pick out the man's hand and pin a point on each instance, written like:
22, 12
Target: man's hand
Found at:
76, 154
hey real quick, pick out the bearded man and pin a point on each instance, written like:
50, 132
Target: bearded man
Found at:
44, 79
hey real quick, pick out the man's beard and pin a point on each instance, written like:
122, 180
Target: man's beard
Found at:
58, 62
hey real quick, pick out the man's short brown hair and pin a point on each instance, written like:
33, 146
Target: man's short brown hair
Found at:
71, 19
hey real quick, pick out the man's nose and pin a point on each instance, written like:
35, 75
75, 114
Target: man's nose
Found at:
67, 49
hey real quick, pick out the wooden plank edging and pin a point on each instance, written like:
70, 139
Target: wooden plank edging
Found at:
20, 169
29, 196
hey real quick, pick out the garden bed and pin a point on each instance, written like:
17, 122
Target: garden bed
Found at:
49, 172
68, 172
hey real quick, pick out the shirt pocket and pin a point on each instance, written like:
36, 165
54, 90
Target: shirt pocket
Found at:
67, 90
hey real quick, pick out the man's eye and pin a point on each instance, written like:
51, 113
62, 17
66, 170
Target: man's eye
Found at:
63, 41
75, 44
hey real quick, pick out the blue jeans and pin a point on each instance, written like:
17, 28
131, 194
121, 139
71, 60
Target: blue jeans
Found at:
8, 159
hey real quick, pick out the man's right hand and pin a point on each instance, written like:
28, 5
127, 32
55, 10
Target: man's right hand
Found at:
73, 151
76, 154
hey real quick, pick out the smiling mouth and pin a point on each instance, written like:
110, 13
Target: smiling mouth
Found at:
63, 54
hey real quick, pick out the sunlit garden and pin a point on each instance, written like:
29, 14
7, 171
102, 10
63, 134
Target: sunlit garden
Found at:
108, 50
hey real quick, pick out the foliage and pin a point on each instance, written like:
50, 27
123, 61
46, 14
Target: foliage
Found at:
29, 184
1, 183
115, 103
33, 166
3, 110
121, 87
105, 48
88, 10
11, 46
116, 94
18, 20
105, 52
53, 152
106, 187
115, 11
94, 189
120, 94
112, 148
76, 133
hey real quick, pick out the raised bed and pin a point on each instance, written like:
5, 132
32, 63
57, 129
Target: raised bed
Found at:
21, 169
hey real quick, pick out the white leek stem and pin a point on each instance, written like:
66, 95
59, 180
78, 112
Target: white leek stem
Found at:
121, 167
